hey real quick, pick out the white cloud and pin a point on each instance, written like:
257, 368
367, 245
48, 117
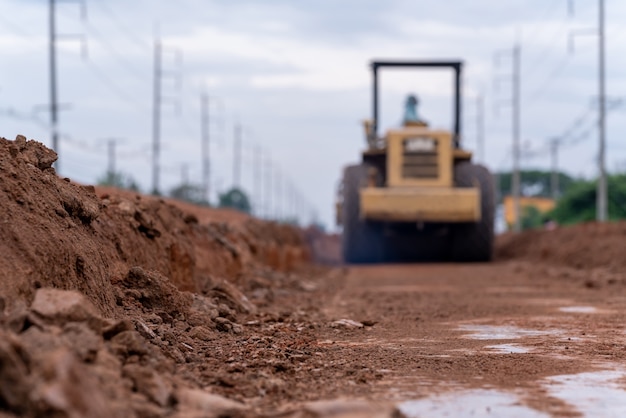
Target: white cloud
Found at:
297, 74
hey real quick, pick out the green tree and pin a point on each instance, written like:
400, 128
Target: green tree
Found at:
119, 180
235, 198
531, 218
189, 193
579, 202
533, 183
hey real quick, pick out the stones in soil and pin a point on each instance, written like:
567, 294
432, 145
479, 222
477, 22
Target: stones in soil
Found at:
115, 306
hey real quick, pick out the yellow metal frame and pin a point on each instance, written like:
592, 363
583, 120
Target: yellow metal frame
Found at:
462, 155
338, 210
426, 204
395, 140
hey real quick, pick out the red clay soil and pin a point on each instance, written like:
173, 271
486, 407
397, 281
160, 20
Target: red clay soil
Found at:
115, 304
584, 246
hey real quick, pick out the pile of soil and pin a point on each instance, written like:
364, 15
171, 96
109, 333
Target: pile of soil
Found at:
325, 248
118, 304
584, 246
122, 305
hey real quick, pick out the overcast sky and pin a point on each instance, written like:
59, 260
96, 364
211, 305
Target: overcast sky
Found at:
295, 74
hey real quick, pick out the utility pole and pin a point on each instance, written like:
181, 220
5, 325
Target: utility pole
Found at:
53, 81
206, 151
111, 148
290, 201
258, 179
602, 193
601, 190
268, 185
516, 186
54, 102
237, 156
554, 177
184, 174
157, 107
515, 101
278, 190
480, 128
301, 209
156, 117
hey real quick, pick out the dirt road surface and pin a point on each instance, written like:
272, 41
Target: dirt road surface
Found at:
116, 304
504, 339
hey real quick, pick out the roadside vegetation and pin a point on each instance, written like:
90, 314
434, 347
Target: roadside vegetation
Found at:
576, 200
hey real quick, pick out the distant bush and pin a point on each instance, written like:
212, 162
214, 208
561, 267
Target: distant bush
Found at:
119, 180
189, 193
578, 204
235, 198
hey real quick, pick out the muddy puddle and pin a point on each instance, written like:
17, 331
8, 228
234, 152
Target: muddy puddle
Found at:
508, 349
579, 309
503, 332
592, 394
475, 403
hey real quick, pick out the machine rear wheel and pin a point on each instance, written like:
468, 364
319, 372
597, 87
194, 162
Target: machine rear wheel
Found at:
473, 242
362, 240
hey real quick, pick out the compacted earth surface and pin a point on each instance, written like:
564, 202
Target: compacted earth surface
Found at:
115, 304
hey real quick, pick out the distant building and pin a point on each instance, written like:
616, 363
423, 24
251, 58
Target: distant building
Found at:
542, 204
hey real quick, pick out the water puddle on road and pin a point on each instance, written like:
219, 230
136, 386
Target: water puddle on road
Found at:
578, 309
475, 403
502, 332
508, 349
592, 394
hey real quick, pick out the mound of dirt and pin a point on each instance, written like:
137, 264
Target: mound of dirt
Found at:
325, 248
118, 304
585, 246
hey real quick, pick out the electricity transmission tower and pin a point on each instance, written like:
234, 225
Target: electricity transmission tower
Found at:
54, 104
602, 191
159, 74
515, 102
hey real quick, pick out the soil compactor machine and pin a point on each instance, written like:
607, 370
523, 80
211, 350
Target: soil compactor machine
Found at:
416, 195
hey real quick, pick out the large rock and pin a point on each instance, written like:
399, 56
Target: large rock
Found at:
198, 403
151, 384
15, 384
155, 291
69, 388
340, 408
128, 343
62, 306
235, 296
35, 153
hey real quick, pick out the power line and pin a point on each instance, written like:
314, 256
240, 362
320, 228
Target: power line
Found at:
543, 87
106, 81
576, 124
99, 38
547, 11
14, 28
537, 63
141, 43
